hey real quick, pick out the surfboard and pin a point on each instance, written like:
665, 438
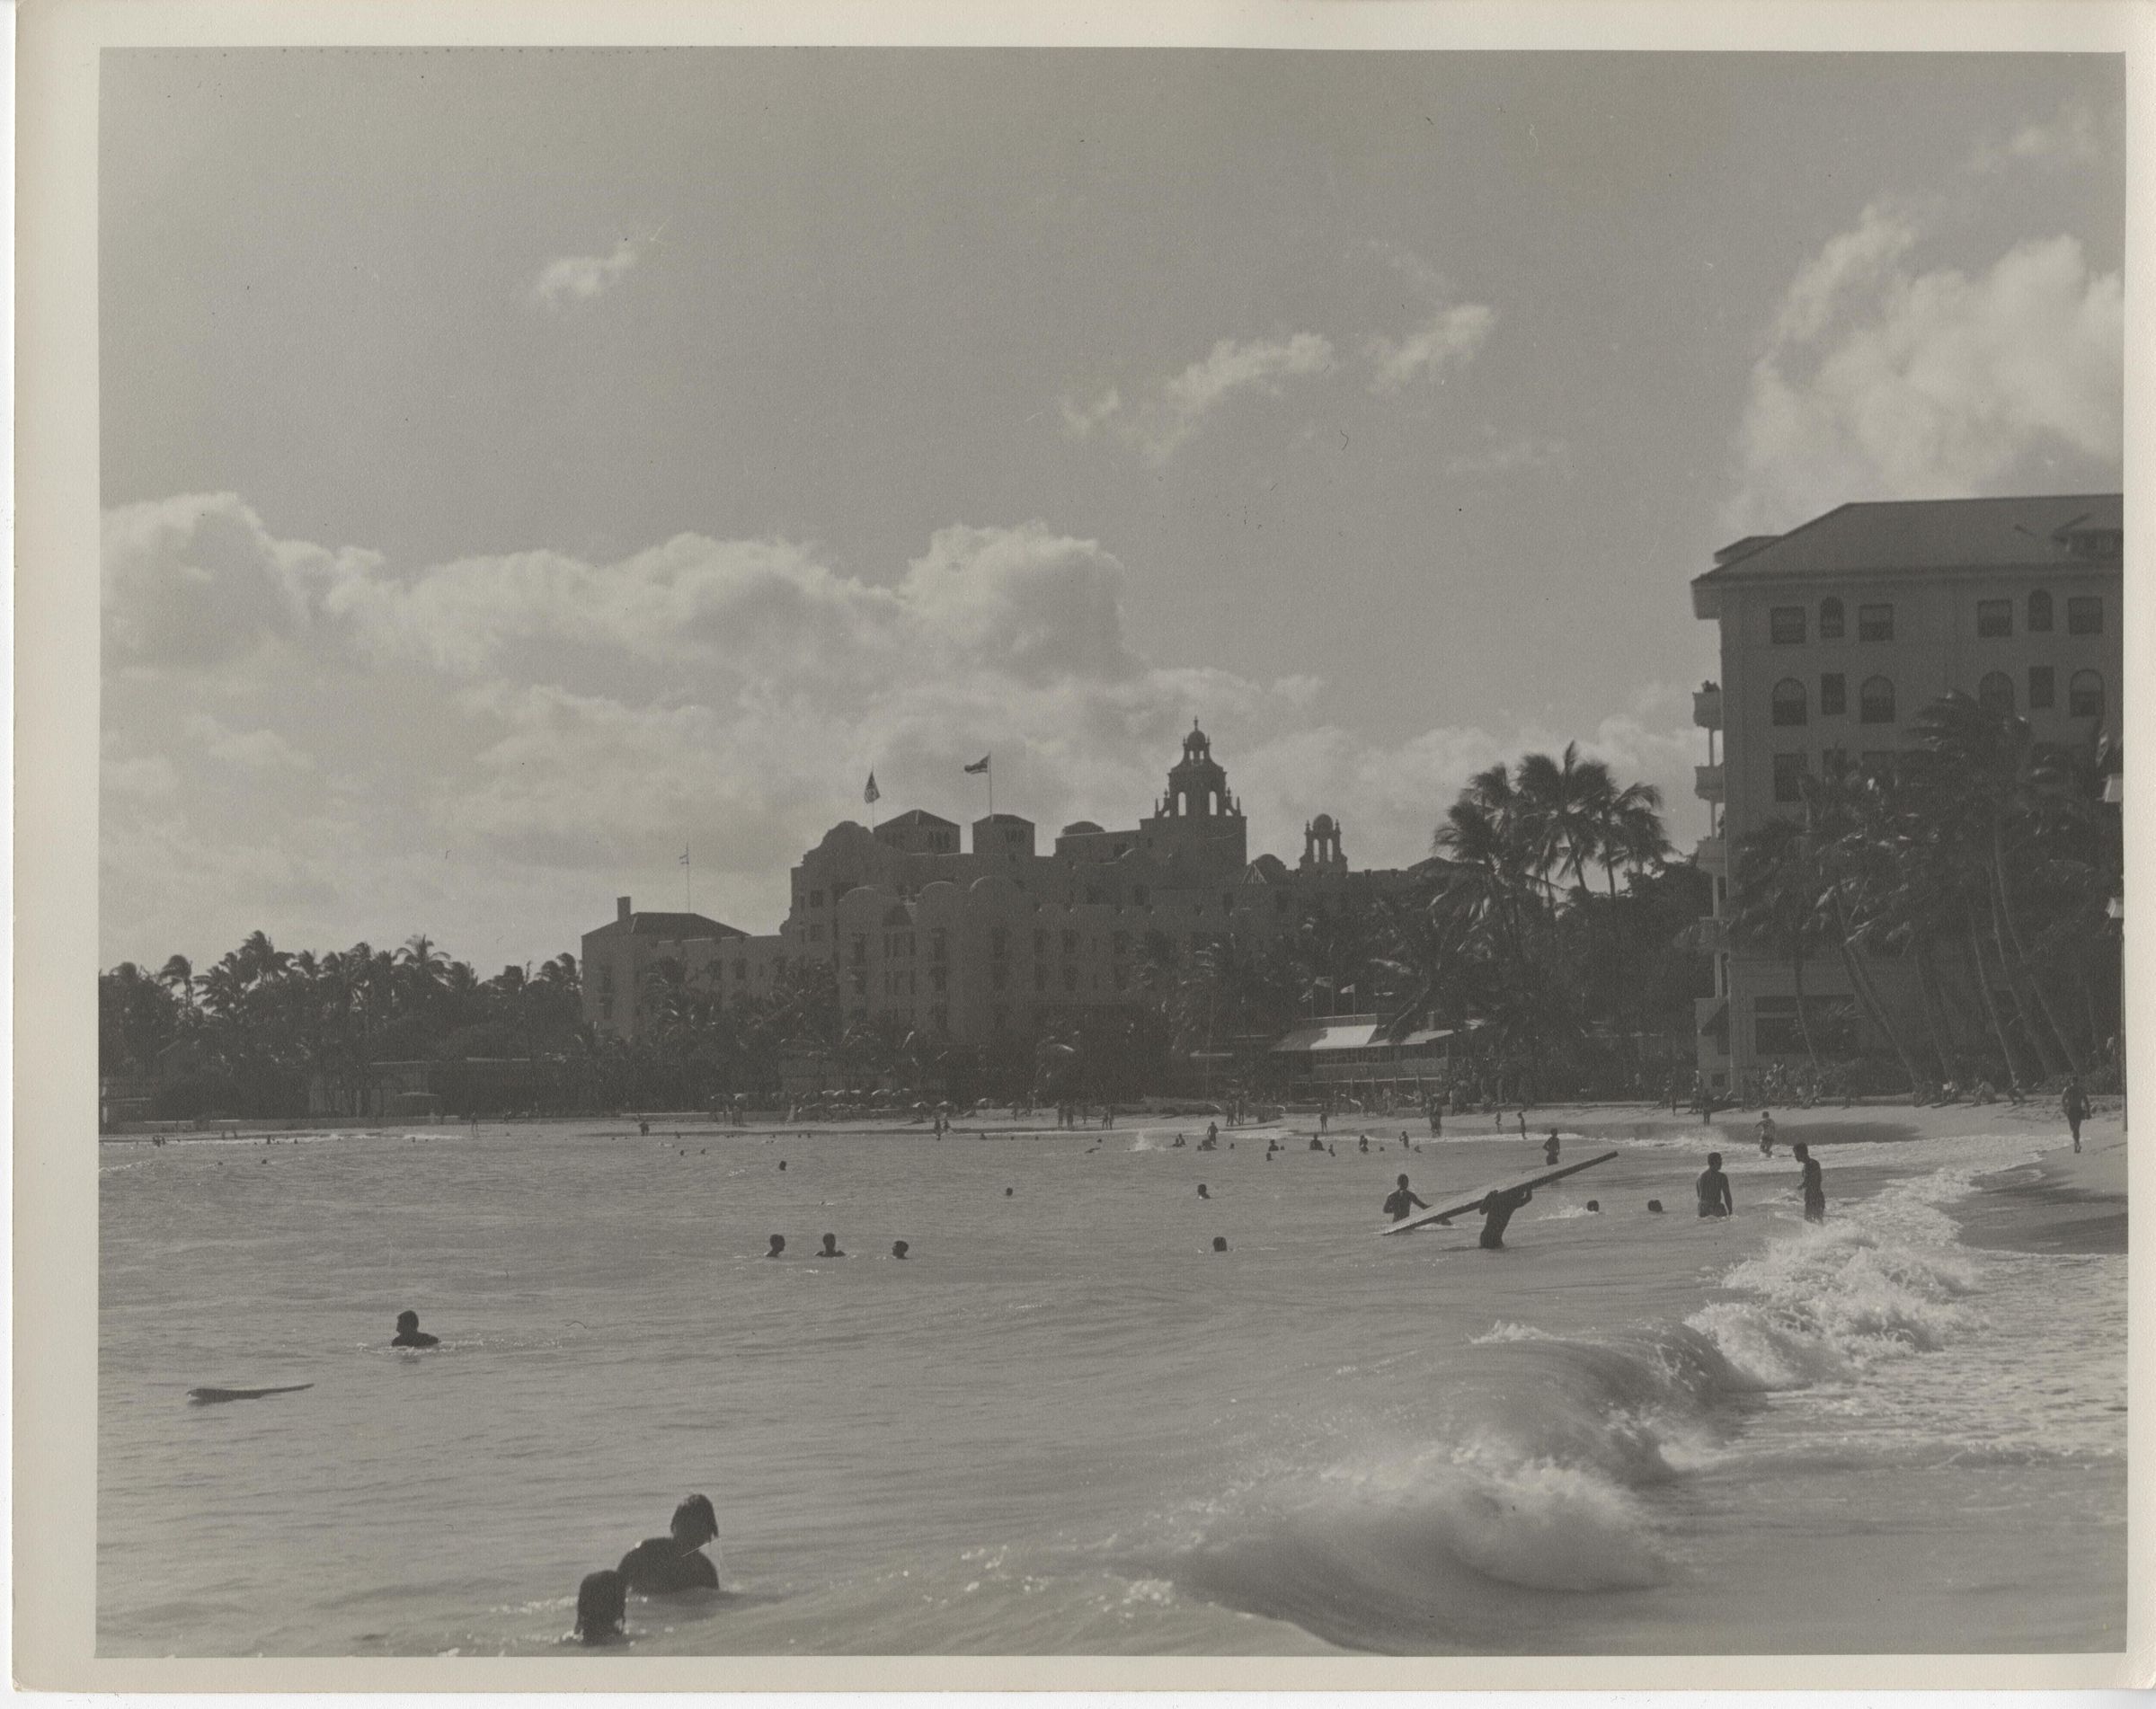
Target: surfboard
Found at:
1464, 1206
208, 1397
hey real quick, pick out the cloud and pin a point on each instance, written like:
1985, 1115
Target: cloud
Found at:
1160, 421
1881, 382
1448, 338
569, 280
2074, 135
1498, 458
492, 748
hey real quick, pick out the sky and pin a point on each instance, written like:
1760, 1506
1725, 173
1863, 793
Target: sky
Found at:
520, 468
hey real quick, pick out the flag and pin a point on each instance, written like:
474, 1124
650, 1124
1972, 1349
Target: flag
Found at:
684, 860
872, 794
978, 766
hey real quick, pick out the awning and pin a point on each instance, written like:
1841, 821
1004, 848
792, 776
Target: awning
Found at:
1356, 1035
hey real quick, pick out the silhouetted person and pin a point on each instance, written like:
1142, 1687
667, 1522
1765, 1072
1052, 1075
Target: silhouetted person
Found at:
410, 1334
1202, 1192
1655, 1205
1007, 1191
1219, 1243
1595, 1205
676, 1562
1713, 1188
2074, 1103
1766, 1133
601, 1602
779, 1248
830, 1247
1550, 1149
1497, 1209
1811, 1182
782, 1165
899, 1249
1401, 1200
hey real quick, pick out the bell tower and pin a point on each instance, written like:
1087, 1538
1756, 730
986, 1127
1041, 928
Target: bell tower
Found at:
1321, 846
1198, 812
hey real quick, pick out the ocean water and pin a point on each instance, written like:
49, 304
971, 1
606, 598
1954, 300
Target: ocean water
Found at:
1066, 1425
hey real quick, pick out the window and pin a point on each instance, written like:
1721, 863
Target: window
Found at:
1995, 694
938, 976
1834, 762
2085, 615
1785, 625
1875, 701
1830, 620
1070, 979
2043, 689
2085, 694
1833, 695
1875, 623
1789, 701
1994, 618
939, 948
1789, 777
1071, 943
2039, 613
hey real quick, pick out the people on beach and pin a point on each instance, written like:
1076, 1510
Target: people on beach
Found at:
779, 1248
2074, 1102
1362, 1144
1713, 1188
601, 1603
1550, 1149
1401, 1200
1813, 1186
1766, 1133
676, 1562
830, 1247
1316, 1143
410, 1334
1523, 1124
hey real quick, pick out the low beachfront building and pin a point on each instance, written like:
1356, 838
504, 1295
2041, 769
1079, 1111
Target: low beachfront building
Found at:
1834, 638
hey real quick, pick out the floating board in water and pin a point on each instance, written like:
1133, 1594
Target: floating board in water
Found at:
209, 1397
1465, 1205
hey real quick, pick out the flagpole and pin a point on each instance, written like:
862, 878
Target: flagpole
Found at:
688, 880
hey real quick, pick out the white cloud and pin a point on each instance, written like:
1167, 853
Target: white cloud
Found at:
1497, 458
569, 280
1159, 422
1881, 382
491, 749
2074, 135
1448, 338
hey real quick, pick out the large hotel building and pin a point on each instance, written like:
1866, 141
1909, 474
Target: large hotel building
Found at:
989, 944
1836, 636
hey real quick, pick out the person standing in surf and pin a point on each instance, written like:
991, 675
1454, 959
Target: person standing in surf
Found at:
410, 1334
676, 1562
1713, 1188
1766, 1133
1550, 1149
1401, 1200
1497, 1209
1814, 1185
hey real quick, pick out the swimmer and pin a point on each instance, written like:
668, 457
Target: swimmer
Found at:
1713, 1188
1202, 1192
1550, 1149
410, 1334
1401, 1200
1594, 1207
1654, 1206
830, 1247
676, 1562
782, 1165
1009, 1191
600, 1603
1812, 1185
1362, 1144
1766, 1134
899, 1249
1219, 1243
779, 1248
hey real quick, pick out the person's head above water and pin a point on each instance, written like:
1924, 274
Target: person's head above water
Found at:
899, 1249
407, 1322
830, 1246
695, 1522
600, 1603
1219, 1243
1202, 1192
779, 1246
1007, 1191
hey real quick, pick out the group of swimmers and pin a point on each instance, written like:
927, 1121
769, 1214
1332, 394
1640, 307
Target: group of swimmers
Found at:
898, 1248
657, 1566
1716, 1199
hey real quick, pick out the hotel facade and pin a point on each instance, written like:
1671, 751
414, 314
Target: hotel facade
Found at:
991, 943
1834, 638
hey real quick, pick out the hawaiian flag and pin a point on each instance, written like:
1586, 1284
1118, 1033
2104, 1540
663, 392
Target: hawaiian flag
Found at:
978, 766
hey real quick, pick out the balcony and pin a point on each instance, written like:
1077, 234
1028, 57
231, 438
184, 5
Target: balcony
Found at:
1712, 857
1707, 708
1707, 783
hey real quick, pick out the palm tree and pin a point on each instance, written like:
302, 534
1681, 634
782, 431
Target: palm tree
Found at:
1567, 805
178, 974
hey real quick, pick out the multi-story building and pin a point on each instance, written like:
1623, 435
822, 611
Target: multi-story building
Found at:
994, 943
1835, 637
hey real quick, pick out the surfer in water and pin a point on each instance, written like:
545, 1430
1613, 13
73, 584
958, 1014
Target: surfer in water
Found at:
779, 1248
676, 1562
1713, 1188
830, 1247
898, 1249
600, 1606
1497, 1211
410, 1334
1814, 1187
1550, 1149
1401, 1200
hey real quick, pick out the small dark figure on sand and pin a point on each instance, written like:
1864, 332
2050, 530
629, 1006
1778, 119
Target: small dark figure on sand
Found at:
2074, 1102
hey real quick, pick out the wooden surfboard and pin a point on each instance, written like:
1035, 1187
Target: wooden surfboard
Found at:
1527, 1183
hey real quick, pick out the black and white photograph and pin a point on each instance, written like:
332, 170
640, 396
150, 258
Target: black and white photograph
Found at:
1138, 852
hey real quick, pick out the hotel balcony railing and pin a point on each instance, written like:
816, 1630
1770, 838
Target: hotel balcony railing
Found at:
1712, 857
1707, 708
1707, 783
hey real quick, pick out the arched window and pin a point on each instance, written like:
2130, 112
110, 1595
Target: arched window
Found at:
2039, 613
2085, 694
1875, 701
1830, 620
1995, 694
1789, 701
